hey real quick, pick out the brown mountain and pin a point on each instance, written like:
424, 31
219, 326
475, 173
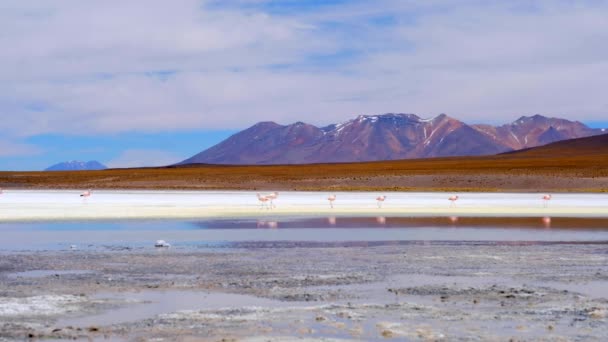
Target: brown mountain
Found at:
594, 146
384, 137
531, 131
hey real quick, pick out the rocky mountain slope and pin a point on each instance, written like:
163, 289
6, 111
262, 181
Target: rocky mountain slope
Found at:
385, 137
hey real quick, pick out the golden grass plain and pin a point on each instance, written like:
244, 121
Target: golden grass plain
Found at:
510, 172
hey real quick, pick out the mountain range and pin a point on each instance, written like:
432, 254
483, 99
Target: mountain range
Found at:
385, 137
76, 165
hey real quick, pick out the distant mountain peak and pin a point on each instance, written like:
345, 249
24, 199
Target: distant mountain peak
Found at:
267, 124
385, 137
76, 165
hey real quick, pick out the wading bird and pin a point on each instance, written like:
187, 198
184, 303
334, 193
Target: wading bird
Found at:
453, 199
263, 202
331, 200
380, 199
162, 244
546, 199
271, 197
86, 193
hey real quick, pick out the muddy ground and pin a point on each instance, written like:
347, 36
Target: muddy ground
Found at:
282, 292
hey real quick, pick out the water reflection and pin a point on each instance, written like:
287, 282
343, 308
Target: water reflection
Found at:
300, 231
410, 222
267, 224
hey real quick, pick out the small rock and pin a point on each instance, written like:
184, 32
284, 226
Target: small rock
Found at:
387, 334
597, 314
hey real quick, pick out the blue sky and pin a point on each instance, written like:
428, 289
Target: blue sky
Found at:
150, 82
130, 149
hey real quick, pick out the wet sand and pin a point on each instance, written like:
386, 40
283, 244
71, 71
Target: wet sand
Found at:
425, 291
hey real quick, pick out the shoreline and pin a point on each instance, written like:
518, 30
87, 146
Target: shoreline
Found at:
62, 205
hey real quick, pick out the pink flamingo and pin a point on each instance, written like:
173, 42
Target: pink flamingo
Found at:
86, 193
271, 197
264, 201
546, 199
380, 199
453, 199
331, 200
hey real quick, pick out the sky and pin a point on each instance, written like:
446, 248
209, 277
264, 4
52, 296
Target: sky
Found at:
152, 82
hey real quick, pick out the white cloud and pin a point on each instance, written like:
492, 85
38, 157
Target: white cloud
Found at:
89, 67
17, 149
143, 158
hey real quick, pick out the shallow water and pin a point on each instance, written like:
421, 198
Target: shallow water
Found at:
308, 232
147, 304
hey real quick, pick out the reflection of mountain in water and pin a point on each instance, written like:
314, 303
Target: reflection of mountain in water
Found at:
410, 222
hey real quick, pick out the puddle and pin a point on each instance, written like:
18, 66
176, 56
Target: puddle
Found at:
148, 304
47, 273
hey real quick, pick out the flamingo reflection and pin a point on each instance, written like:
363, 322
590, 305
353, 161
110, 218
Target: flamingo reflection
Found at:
267, 224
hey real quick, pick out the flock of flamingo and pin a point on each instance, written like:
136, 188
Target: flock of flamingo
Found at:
267, 201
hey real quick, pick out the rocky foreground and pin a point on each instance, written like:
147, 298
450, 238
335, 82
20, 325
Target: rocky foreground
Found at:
282, 292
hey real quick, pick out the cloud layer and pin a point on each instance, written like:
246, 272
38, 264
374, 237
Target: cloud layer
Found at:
108, 66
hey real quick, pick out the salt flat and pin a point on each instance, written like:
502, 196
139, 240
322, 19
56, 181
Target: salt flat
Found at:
25, 205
